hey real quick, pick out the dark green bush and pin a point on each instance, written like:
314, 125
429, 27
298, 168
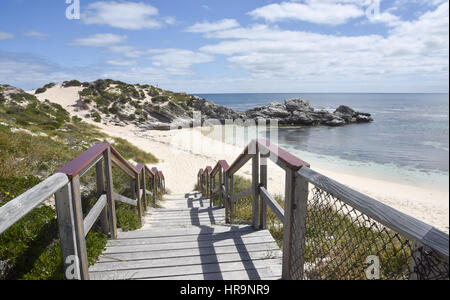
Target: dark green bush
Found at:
40, 90
71, 83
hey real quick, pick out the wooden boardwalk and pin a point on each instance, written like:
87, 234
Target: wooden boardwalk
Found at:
188, 240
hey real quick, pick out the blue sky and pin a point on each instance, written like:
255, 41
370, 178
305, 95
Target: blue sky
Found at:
230, 46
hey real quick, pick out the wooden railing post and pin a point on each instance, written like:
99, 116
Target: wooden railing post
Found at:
255, 190
155, 188
296, 199
231, 195
208, 181
100, 191
203, 184
220, 187
137, 195
263, 183
79, 228
210, 189
226, 198
144, 189
110, 194
66, 227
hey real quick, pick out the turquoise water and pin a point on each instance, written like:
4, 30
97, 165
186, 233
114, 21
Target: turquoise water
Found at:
407, 143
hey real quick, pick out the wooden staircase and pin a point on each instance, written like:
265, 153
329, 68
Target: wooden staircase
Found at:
188, 240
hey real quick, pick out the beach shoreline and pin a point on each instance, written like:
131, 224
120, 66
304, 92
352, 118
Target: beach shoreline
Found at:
183, 152
181, 156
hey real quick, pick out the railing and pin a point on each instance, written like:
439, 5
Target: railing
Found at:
329, 230
65, 185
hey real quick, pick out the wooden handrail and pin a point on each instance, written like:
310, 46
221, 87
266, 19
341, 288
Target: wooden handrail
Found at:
65, 185
280, 156
139, 167
298, 177
221, 164
402, 223
16, 209
80, 163
122, 163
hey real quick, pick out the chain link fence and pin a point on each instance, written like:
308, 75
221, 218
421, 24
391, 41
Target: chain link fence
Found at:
342, 243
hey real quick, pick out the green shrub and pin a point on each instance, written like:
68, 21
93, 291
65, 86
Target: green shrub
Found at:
49, 85
160, 99
96, 116
71, 83
40, 90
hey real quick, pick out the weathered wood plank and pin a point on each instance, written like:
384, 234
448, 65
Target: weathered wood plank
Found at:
181, 215
129, 256
197, 211
287, 225
66, 230
183, 231
112, 221
100, 191
191, 221
79, 228
20, 206
255, 190
123, 199
265, 273
93, 215
186, 261
406, 225
194, 269
280, 156
242, 194
186, 238
263, 183
75, 166
187, 245
239, 163
122, 163
273, 204
184, 214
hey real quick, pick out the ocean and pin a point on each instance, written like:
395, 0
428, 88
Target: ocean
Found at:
407, 143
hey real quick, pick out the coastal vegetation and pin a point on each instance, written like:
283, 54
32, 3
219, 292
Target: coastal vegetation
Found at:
36, 138
118, 103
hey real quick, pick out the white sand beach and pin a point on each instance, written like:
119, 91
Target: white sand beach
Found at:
180, 160
183, 152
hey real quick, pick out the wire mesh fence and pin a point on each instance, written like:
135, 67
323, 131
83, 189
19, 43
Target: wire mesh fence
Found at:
342, 243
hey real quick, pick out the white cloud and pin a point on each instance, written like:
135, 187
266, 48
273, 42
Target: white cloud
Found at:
178, 61
100, 40
121, 62
319, 12
214, 26
6, 35
124, 15
36, 34
411, 49
386, 18
170, 20
127, 51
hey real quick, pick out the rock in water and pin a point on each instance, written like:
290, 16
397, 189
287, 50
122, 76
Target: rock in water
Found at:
297, 104
298, 111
